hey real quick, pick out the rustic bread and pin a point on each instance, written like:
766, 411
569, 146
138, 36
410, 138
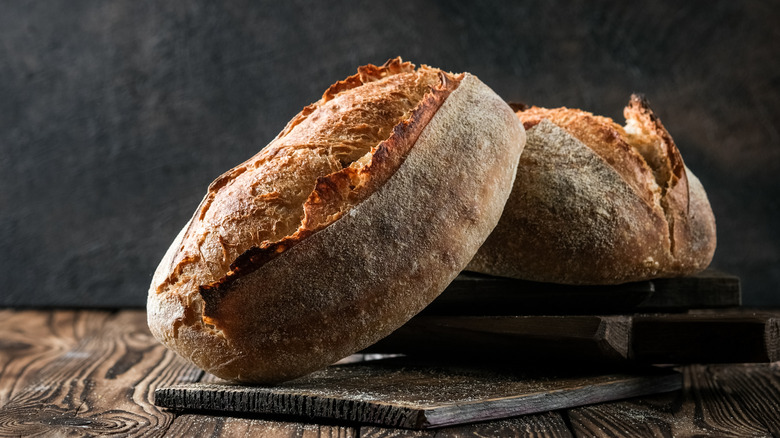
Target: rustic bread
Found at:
346, 225
598, 203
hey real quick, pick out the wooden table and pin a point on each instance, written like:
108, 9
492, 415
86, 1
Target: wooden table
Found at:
91, 372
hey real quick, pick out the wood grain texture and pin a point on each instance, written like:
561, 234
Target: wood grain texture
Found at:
44, 350
708, 289
419, 395
30, 340
546, 425
216, 427
479, 294
722, 337
210, 425
719, 400
101, 386
546, 338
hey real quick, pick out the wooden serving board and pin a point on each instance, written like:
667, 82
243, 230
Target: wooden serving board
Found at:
477, 294
402, 393
714, 337
494, 316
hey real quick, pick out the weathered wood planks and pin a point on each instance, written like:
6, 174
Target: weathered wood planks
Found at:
545, 425
494, 316
717, 400
409, 394
544, 338
724, 337
101, 386
33, 339
476, 294
706, 338
193, 425
710, 289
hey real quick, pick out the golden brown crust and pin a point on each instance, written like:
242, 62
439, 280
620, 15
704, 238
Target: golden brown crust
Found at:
401, 223
336, 193
599, 203
261, 205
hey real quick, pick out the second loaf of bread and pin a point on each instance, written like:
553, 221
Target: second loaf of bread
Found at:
599, 203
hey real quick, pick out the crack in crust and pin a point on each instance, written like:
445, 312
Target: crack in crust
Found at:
662, 155
329, 158
376, 265
335, 194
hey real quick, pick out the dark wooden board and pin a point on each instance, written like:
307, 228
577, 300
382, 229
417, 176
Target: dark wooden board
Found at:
408, 394
706, 338
724, 337
542, 425
710, 289
544, 338
194, 425
477, 294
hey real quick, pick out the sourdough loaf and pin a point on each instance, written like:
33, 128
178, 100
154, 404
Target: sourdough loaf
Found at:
599, 203
352, 220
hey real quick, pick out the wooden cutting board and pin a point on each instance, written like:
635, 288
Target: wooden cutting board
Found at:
478, 294
404, 393
494, 316
728, 336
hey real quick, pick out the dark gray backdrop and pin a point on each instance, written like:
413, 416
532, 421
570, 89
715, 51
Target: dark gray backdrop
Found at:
115, 116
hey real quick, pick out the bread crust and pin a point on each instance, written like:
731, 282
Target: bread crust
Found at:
598, 203
367, 272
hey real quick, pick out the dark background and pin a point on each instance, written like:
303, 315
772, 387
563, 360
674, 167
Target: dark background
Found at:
115, 116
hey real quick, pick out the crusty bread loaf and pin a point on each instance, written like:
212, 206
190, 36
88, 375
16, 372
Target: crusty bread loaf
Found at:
351, 221
598, 203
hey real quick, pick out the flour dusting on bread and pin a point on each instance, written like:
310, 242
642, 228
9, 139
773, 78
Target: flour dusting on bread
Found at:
600, 203
347, 224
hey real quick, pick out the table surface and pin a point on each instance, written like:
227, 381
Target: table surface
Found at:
93, 372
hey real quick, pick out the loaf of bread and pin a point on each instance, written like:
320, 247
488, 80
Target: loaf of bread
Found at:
355, 217
599, 203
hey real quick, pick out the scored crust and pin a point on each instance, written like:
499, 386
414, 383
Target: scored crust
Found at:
381, 255
327, 159
598, 203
